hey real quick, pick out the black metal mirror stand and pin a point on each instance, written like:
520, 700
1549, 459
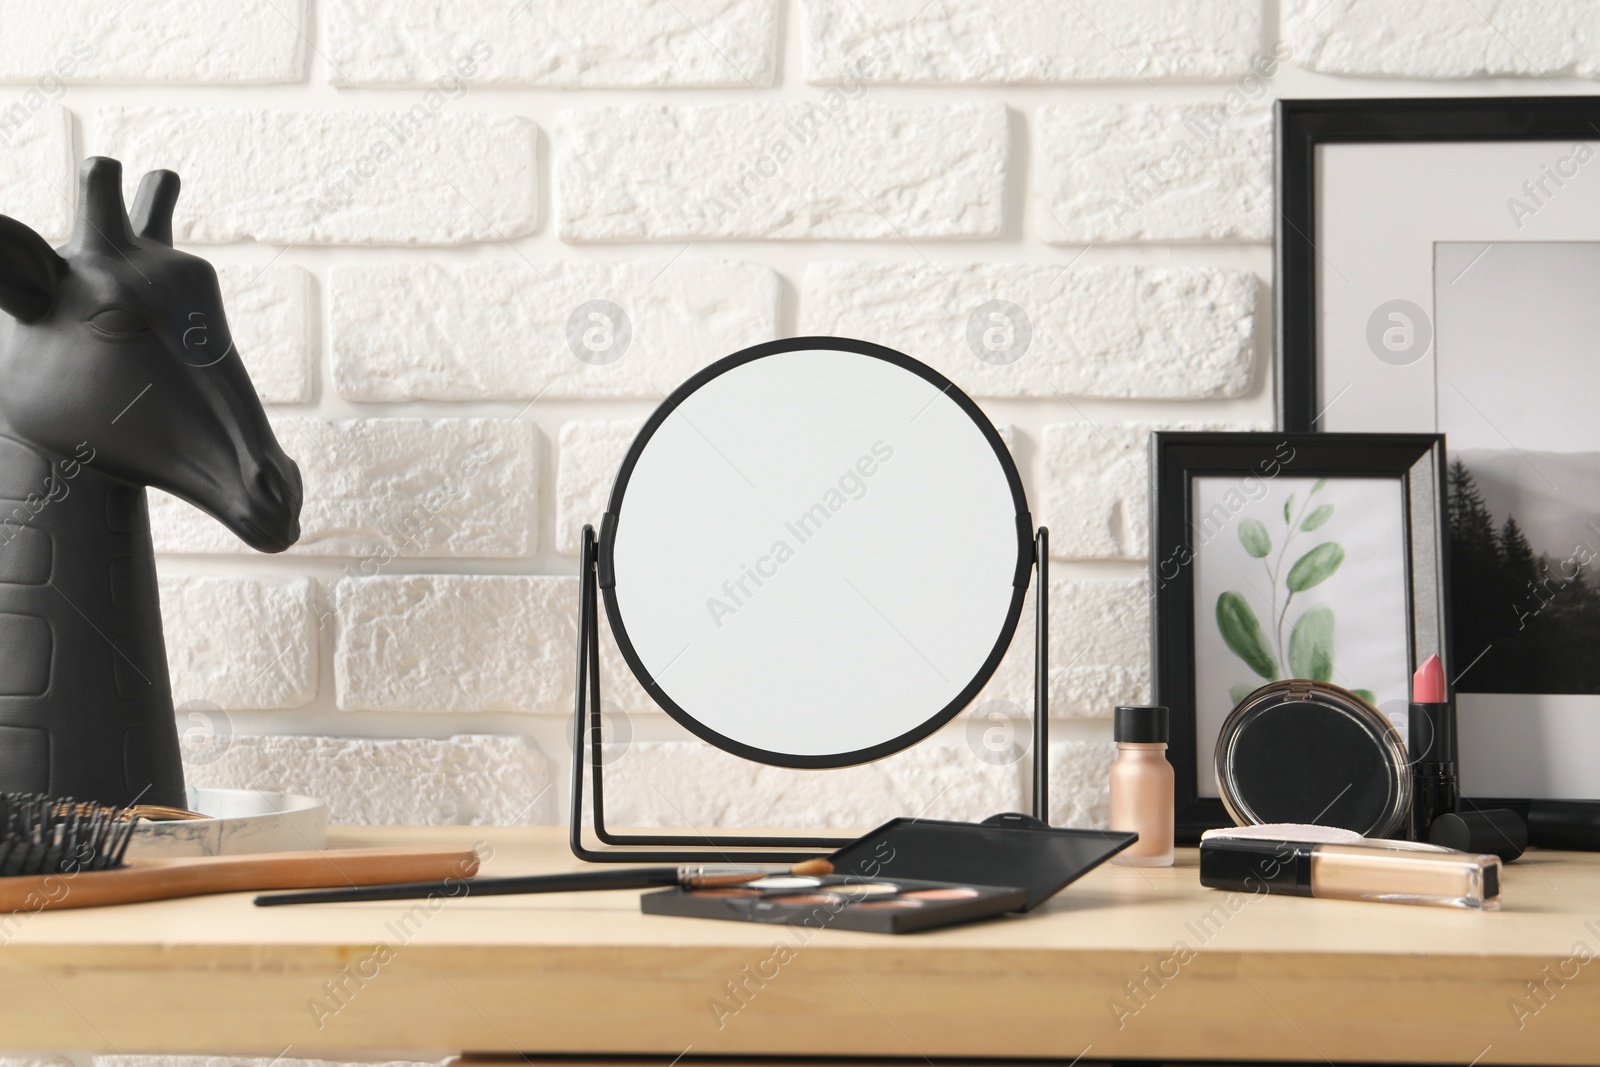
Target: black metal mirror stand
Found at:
700, 848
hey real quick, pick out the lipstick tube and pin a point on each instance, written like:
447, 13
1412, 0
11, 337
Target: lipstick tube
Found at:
1435, 790
1391, 872
1431, 748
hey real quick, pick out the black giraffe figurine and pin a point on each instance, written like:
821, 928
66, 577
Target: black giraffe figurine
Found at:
117, 371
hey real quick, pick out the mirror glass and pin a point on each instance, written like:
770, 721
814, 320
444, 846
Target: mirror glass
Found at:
812, 552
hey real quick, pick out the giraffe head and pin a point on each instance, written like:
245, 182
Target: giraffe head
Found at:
119, 342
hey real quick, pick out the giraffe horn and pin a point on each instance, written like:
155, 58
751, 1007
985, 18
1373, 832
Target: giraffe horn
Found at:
102, 220
153, 204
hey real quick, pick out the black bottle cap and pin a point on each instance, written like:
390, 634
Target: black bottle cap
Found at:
1497, 831
1256, 865
1146, 725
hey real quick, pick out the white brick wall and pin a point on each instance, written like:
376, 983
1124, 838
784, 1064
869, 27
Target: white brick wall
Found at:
36, 163
145, 42
1099, 649
270, 313
1154, 172
377, 489
241, 642
422, 174
1112, 332
414, 204
1424, 39
1095, 491
684, 783
456, 643
591, 452
556, 43
838, 166
1021, 41
515, 331
465, 780
1080, 793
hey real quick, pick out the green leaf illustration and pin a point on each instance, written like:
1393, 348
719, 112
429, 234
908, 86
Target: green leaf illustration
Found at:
1368, 695
1311, 645
1288, 506
1242, 633
1254, 537
1317, 518
1314, 567
1320, 483
1237, 693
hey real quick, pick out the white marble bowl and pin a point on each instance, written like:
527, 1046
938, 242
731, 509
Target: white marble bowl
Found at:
242, 821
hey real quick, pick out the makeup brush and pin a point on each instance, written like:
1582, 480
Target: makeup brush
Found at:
695, 875
66, 854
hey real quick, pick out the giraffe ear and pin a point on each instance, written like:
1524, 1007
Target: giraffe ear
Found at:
30, 271
153, 204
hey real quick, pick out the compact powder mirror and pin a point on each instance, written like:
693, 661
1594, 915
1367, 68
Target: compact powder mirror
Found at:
1311, 752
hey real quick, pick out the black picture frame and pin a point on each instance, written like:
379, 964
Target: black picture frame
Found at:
1302, 126
1417, 461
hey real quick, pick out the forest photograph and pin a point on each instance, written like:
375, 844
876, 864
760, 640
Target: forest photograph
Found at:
1525, 619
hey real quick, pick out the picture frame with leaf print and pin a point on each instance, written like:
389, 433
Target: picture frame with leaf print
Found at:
1289, 555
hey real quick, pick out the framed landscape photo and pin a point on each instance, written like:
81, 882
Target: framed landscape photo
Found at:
1280, 555
1438, 262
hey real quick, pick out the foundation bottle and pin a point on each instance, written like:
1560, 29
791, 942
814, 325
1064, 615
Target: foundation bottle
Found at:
1141, 786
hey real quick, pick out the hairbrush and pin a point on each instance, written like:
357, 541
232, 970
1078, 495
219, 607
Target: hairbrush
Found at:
59, 853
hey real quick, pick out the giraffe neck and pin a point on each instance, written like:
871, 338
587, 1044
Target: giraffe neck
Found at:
85, 703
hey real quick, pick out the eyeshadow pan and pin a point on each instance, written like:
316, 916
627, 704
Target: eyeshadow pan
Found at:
952, 893
803, 900
838, 891
886, 905
725, 891
785, 881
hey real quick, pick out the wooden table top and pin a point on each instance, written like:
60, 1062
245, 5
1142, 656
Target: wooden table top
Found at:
1139, 963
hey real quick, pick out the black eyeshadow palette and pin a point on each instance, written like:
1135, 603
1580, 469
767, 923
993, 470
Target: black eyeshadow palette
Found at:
840, 902
1041, 859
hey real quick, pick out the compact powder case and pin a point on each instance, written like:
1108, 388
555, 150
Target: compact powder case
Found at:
1310, 752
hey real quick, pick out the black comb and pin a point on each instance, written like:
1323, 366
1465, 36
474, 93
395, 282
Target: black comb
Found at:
49, 835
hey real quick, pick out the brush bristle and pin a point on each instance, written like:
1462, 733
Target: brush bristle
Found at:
817, 868
46, 835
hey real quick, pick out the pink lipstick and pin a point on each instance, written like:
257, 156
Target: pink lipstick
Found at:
1435, 790
1427, 685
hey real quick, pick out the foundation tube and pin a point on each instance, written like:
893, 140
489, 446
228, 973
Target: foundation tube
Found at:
1392, 872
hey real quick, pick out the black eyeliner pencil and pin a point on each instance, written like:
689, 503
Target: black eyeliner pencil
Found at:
575, 882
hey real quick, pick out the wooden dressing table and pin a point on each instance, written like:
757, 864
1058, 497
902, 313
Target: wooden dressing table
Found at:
1124, 964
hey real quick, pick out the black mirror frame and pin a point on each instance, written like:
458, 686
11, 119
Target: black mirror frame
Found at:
615, 515
597, 579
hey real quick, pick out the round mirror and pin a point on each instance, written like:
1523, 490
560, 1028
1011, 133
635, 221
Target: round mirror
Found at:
815, 552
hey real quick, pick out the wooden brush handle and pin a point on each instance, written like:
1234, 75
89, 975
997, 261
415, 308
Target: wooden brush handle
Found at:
163, 879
